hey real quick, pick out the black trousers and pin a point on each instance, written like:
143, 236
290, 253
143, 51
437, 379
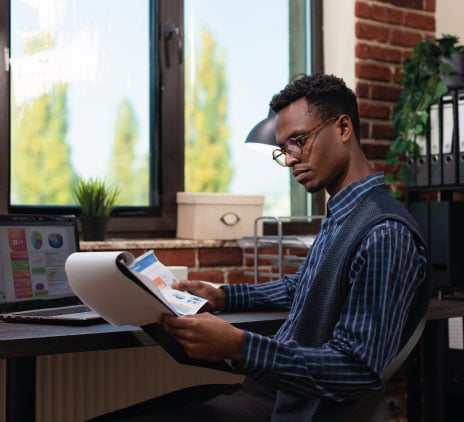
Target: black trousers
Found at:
250, 401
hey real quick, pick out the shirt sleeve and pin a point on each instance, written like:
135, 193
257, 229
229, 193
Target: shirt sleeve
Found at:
384, 273
277, 295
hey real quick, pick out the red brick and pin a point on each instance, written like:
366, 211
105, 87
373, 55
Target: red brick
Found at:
372, 32
405, 38
385, 92
407, 54
238, 276
383, 166
362, 90
137, 252
374, 110
177, 256
420, 21
362, 10
409, 4
364, 129
387, 14
397, 74
373, 71
210, 257
296, 252
375, 151
213, 276
384, 54
382, 131
429, 5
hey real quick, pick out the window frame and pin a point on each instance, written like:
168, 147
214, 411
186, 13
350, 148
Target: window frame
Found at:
166, 130
146, 222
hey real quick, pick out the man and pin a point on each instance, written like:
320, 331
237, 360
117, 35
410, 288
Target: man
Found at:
348, 303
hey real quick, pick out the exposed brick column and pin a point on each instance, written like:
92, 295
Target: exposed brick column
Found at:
385, 33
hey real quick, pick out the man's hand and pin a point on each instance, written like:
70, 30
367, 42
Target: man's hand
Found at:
215, 297
205, 336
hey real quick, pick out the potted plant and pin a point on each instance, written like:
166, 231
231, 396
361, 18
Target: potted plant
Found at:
96, 200
424, 82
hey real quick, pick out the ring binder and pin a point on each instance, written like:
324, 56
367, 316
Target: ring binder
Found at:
422, 162
449, 160
435, 146
460, 130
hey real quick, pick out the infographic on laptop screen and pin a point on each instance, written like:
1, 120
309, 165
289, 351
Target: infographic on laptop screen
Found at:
32, 262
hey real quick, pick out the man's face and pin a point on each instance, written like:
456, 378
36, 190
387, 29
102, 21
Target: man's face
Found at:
322, 158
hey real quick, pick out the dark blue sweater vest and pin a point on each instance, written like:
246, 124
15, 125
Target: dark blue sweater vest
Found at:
323, 304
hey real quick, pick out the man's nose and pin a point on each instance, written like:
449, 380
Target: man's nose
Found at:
290, 160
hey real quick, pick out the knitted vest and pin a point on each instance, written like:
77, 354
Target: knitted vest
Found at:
328, 292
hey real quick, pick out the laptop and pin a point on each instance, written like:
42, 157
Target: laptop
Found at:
33, 283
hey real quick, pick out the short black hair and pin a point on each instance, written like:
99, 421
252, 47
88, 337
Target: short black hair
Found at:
327, 96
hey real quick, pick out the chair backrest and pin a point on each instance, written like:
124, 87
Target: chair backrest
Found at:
372, 407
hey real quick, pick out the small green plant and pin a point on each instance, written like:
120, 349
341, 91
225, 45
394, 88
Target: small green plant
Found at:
94, 196
422, 86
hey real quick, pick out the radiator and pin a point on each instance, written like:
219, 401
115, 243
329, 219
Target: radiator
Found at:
75, 386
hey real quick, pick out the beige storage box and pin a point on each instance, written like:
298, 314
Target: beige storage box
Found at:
222, 216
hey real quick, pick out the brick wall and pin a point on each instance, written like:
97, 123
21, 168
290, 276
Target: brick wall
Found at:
385, 33
222, 263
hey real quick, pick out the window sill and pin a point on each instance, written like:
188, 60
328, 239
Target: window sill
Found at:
146, 244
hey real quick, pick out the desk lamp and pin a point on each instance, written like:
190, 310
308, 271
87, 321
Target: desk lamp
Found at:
262, 136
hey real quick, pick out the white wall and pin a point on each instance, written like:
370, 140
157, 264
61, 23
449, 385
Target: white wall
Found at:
450, 18
338, 33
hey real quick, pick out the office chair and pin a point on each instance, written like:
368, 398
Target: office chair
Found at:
372, 407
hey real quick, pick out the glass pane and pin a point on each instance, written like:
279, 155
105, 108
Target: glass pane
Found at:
236, 59
79, 98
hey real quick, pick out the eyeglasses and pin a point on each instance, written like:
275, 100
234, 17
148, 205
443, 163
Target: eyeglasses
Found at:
292, 146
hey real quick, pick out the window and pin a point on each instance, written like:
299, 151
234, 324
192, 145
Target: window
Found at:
141, 42
231, 72
237, 68
84, 80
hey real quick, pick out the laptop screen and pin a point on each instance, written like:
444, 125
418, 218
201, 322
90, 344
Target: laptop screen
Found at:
33, 251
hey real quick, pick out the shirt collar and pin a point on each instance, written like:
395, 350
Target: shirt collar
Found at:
343, 202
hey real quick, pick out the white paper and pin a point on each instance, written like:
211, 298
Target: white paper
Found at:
455, 333
158, 279
97, 280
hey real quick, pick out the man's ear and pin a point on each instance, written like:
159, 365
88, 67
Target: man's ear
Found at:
346, 127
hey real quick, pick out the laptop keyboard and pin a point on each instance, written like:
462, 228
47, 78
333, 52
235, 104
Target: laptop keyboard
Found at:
57, 311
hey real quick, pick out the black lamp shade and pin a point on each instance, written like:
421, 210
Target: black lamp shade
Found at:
262, 136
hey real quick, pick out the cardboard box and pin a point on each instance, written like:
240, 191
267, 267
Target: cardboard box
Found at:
223, 216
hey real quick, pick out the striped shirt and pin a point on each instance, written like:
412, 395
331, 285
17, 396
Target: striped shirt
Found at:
383, 275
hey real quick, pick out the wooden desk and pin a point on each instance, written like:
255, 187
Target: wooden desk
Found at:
21, 343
